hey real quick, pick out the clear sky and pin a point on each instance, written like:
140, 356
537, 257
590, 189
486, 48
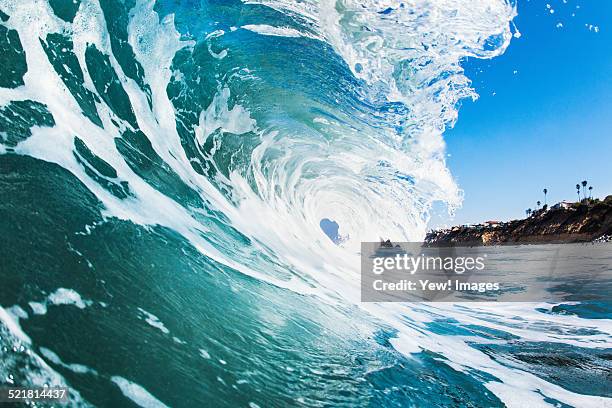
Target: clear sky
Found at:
544, 116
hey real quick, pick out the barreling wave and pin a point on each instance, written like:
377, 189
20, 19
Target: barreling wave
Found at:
292, 111
241, 125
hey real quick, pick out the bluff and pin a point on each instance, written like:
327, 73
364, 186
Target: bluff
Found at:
584, 221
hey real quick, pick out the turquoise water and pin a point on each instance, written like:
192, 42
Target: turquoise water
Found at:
164, 170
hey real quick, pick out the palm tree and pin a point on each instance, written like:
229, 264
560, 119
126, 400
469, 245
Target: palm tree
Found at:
584, 184
545, 192
578, 188
538, 203
591, 192
529, 212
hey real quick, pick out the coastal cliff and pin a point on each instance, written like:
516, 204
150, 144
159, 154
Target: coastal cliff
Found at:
584, 221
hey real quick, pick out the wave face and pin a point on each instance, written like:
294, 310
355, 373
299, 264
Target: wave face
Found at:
167, 165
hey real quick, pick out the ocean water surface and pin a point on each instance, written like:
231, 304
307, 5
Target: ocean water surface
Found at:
165, 168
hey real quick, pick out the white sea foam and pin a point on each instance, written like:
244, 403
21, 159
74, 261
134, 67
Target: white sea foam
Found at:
218, 116
60, 297
39, 308
76, 368
63, 296
278, 31
153, 321
137, 393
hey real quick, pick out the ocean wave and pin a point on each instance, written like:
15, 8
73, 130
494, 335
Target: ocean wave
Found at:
239, 126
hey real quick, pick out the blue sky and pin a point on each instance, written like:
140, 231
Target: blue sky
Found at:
549, 124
